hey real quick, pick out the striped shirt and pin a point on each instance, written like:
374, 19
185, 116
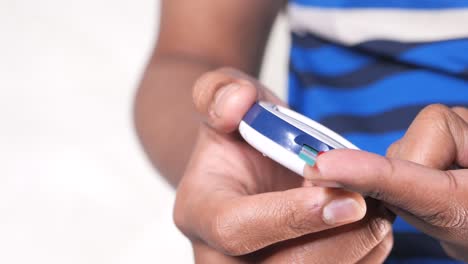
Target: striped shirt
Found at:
365, 68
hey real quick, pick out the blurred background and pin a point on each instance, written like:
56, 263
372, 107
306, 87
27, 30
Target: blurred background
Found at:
75, 186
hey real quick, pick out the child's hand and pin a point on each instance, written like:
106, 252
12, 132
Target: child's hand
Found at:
433, 197
232, 201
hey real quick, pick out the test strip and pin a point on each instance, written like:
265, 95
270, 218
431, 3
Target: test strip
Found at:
308, 154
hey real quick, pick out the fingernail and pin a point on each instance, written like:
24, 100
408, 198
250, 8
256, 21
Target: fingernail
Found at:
221, 96
342, 211
313, 168
312, 172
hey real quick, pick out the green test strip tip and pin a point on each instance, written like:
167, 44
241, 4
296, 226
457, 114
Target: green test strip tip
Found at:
308, 155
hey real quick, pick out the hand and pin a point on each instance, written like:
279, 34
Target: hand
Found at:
232, 201
417, 180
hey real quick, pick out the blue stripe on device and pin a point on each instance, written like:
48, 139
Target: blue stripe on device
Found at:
280, 131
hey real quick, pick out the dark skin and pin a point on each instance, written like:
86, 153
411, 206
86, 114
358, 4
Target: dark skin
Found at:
235, 205
423, 179
188, 46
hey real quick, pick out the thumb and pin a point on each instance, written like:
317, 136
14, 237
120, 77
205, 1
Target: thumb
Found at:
430, 199
224, 96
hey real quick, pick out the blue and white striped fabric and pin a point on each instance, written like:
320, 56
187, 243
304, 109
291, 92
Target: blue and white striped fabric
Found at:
365, 68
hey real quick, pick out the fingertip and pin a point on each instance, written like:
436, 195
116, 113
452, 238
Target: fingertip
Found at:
337, 167
326, 160
223, 98
345, 207
233, 99
231, 103
343, 160
205, 88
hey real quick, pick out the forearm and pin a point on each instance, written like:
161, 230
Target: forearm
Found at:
189, 46
165, 118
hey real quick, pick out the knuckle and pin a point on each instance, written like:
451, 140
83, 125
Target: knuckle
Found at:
435, 111
380, 252
459, 109
296, 221
386, 245
294, 217
225, 233
462, 112
388, 168
453, 218
378, 229
180, 215
440, 117
179, 218
437, 115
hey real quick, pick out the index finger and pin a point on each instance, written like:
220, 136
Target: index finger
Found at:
419, 190
237, 225
462, 112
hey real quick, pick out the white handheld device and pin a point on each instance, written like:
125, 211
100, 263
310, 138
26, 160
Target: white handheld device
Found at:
288, 137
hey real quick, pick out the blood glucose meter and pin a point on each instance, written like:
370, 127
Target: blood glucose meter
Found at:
288, 137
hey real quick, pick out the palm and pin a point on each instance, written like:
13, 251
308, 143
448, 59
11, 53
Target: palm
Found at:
226, 164
230, 160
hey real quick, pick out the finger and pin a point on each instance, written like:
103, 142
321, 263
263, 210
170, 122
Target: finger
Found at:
346, 244
462, 112
429, 195
224, 97
455, 250
240, 225
205, 254
380, 253
394, 149
437, 138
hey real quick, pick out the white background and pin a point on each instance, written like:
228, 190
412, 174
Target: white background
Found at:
74, 185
